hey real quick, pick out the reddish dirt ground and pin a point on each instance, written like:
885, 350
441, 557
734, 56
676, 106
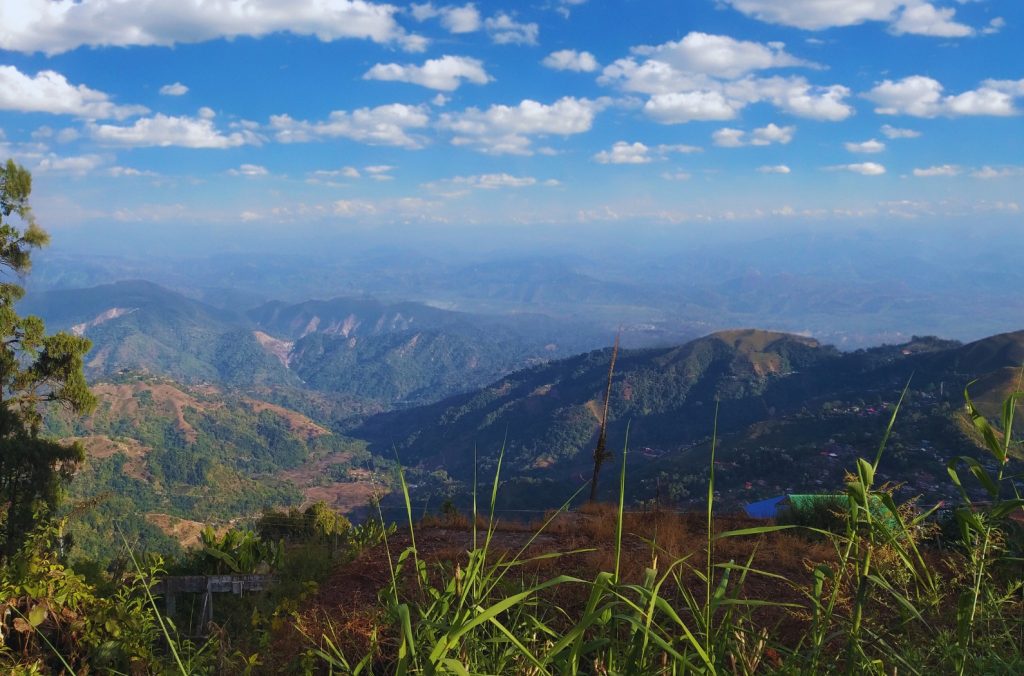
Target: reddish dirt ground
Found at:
346, 607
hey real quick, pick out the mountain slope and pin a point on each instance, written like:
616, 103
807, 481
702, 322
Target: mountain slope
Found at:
156, 449
355, 347
551, 412
404, 352
140, 326
789, 411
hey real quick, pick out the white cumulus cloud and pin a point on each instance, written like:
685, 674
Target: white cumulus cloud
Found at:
50, 92
249, 170
174, 89
774, 169
762, 136
493, 181
389, 125
926, 19
987, 172
455, 18
719, 55
503, 129
895, 132
123, 172
903, 16
56, 26
570, 59
444, 74
76, 164
680, 107
939, 170
923, 96
504, 30
167, 130
863, 168
868, 147
624, 153
727, 137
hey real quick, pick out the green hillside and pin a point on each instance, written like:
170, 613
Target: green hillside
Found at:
368, 351
784, 403
158, 452
140, 326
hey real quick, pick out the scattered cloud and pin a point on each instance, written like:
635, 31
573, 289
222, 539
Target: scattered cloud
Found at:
502, 129
682, 107
817, 14
922, 96
915, 17
67, 135
456, 19
249, 171
762, 136
863, 168
344, 172
389, 125
123, 172
798, 97
78, 165
379, 172
705, 77
625, 153
350, 208
570, 59
640, 153
465, 19
57, 26
719, 55
175, 89
774, 169
167, 130
926, 19
870, 146
50, 92
676, 176
504, 30
728, 137
720, 101
445, 74
895, 132
940, 170
994, 26
495, 181
988, 172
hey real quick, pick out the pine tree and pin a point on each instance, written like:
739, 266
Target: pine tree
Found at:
36, 371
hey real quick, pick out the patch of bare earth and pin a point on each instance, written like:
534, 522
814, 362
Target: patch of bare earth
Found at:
296, 422
100, 447
185, 531
344, 496
168, 400
282, 349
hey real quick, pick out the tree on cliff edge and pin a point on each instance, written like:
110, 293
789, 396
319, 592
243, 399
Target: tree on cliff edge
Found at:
36, 370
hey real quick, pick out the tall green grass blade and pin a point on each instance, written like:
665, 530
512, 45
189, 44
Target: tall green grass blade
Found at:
622, 502
156, 611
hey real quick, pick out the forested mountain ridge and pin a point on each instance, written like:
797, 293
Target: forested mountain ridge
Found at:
362, 348
547, 418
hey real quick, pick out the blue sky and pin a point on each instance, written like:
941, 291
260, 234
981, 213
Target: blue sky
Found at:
251, 112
